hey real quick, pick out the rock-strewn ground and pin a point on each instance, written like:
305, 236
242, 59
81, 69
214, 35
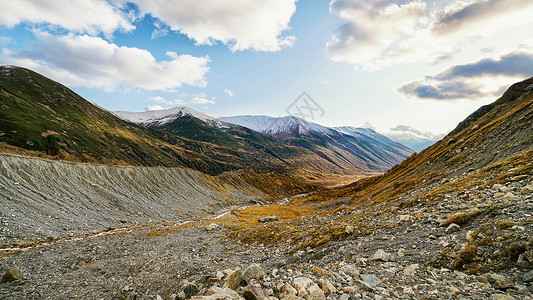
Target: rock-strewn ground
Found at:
474, 244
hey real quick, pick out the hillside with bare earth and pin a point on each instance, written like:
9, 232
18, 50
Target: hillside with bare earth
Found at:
452, 222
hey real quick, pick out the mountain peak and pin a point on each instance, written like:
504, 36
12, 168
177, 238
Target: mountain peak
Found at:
160, 117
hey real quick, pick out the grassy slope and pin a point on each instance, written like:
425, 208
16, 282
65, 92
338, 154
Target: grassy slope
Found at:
494, 133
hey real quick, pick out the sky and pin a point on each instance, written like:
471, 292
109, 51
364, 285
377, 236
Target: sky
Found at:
413, 67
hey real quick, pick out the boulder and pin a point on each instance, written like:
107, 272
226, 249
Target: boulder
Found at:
12, 275
254, 292
268, 219
253, 271
234, 279
452, 228
350, 271
381, 255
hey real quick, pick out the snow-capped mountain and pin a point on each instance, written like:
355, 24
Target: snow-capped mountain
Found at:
347, 148
279, 127
344, 146
164, 116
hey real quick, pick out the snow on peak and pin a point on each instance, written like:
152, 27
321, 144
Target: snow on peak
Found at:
160, 117
288, 125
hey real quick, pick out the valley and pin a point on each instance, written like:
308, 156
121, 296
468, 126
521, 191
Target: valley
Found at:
180, 205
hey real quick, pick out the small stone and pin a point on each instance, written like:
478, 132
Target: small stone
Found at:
253, 271
315, 293
401, 252
287, 292
361, 261
482, 279
349, 229
190, 290
328, 287
12, 275
469, 235
234, 279
319, 271
181, 295
350, 271
158, 297
372, 280
499, 282
410, 270
452, 228
211, 227
268, 219
525, 260
300, 283
509, 196
404, 218
528, 277
381, 255
253, 292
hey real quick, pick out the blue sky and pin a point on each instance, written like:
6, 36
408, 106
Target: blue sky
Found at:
422, 65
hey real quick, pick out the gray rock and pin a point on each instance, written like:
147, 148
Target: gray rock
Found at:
525, 260
381, 255
190, 290
254, 292
268, 219
452, 228
499, 282
253, 271
528, 277
12, 275
372, 280
350, 271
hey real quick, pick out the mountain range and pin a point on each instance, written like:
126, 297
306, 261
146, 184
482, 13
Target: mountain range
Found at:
41, 117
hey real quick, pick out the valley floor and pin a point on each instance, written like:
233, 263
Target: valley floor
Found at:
398, 253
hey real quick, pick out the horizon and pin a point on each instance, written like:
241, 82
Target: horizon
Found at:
394, 66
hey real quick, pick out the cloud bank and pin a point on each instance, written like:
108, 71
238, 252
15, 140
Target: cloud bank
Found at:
381, 33
82, 60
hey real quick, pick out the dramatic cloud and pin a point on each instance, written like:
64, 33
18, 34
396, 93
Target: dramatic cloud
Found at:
484, 78
87, 16
375, 31
228, 92
93, 62
381, 33
242, 24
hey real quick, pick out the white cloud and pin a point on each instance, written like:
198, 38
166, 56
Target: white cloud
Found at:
201, 100
160, 99
154, 107
241, 24
228, 92
381, 33
87, 16
93, 62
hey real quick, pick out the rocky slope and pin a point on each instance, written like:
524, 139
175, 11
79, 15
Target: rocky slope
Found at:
43, 198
